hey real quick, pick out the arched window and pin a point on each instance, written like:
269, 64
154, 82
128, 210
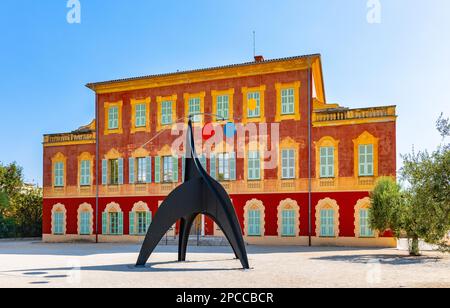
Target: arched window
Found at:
362, 226
254, 218
288, 218
327, 218
112, 220
85, 219
140, 219
59, 219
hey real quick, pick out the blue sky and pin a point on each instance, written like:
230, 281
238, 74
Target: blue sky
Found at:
45, 61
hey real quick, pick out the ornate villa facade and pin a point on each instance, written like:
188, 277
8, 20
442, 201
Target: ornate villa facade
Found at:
100, 181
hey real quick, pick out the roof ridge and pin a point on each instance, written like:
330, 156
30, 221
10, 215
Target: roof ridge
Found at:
90, 85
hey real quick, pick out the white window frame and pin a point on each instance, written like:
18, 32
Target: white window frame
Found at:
141, 115
59, 174
327, 222
85, 173
167, 168
166, 112
194, 105
113, 117
288, 101
366, 159
326, 162
288, 164
254, 166
223, 106
256, 95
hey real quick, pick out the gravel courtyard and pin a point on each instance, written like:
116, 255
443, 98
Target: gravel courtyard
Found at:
34, 264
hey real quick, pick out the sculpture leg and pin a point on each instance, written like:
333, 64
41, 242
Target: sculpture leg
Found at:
185, 230
223, 211
167, 215
226, 236
238, 246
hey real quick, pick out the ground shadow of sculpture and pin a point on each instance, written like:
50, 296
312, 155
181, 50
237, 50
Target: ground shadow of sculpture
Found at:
200, 194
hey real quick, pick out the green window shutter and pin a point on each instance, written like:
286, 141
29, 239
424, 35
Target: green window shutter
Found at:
54, 227
183, 166
148, 171
212, 167
131, 170
132, 223
175, 169
104, 223
157, 169
88, 172
233, 166
323, 223
104, 172
120, 171
148, 220
258, 223
120, 231
202, 159
362, 160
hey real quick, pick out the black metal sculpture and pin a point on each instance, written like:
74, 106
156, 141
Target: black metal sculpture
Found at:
200, 194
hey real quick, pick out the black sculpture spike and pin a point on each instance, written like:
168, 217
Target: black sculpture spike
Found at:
198, 195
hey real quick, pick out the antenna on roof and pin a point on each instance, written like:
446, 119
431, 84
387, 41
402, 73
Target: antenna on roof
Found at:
254, 44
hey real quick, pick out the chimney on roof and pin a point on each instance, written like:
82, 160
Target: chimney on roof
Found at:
259, 59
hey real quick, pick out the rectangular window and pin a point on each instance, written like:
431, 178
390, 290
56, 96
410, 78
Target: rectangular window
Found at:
254, 165
327, 162
141, 115
58, 221
141, 163
327, 223
254, 100
288, 164
167, 169
366, 160
85, 224
288, 223
224, 166
142, 223
114, 172
166, 113
114, 223
223, 106
287, 101
254, 223
113, 117
59, 174
364, 227
85, 177
195, 109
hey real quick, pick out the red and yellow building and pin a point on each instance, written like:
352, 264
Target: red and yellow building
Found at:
322, 196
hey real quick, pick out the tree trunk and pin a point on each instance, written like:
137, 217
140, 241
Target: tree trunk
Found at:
414, 247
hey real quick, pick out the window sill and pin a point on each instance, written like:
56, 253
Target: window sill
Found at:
287, 117
118, 131
143, 129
